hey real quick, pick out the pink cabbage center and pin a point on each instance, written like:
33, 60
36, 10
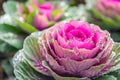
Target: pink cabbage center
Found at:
78, 40
80, 36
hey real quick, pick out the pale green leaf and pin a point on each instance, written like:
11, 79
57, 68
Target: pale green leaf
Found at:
10, 7
11, 38
7, 66
114, 72
23, 71
116, 51
32, 50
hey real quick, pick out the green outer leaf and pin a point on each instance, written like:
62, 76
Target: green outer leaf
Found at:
32, 51
116, 50
23, 71
117, 18
6, 48
90, 3
26, 27
107, 77
10, 7
57, 77
7, 19
115, 70
6, 28
114, 73
11, 38
115, 36
7, 67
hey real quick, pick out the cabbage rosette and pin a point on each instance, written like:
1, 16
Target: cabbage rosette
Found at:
73, 50
106, 14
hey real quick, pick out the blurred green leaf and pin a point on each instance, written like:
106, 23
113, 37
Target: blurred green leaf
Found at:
56, 12
6, 48
24, 0
30, 17
26, 27
41, 1
10, 7
90, 3
11, 38
11, 35
7, 67
116, 74
115, 36
7, 19
118, 18
6, 28
107, 77
76, 13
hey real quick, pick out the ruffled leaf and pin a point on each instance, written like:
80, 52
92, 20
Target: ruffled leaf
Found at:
23, 71
32, 53
115, 70
116, 51
58, 77
24, 62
